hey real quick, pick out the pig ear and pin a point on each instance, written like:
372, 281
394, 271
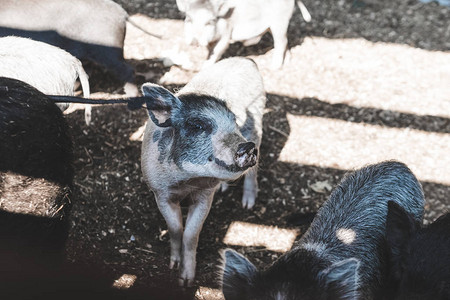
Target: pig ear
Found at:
341, 279
399, 228
238, 273
226, 8
160, 104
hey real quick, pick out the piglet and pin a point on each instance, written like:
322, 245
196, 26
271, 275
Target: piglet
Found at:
217, 23
341, 256
48, 68
208, 132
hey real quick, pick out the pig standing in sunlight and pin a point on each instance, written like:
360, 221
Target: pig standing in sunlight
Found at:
341, 256
419, 258
207, 133
217, 23
50, 69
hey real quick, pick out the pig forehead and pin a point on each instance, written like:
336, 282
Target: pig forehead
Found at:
206, 106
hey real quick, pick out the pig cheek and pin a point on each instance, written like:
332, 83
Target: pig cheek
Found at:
221, 150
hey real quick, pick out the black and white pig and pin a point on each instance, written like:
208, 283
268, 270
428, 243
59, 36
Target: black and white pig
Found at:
209, 132
36, 173
87, 29
217, 23
50, 69
341, 256
419, 257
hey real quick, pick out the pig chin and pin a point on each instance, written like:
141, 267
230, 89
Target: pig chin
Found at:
230, 171
215, 170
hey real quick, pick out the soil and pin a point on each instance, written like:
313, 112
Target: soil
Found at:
364, 81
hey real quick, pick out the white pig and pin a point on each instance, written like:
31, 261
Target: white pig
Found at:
209, 132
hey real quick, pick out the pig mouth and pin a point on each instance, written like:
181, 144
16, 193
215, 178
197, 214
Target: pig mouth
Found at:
240, 165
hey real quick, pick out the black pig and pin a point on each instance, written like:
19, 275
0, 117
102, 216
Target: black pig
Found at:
36, 172
341, 256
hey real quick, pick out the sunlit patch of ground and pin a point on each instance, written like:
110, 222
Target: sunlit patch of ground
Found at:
344, 145
254, 235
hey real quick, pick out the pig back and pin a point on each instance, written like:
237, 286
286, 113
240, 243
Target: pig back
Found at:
236, 81
351, 223
98, 22
49, 69
252, 18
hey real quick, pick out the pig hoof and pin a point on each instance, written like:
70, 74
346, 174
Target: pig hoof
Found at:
185, 282
174, 263
88, 115
223, 187
138, 135
248, 200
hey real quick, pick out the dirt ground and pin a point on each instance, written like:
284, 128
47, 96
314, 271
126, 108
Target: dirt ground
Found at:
365, 81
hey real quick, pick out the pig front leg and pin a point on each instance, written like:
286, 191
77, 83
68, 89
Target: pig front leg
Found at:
280, 42
217, 50
171, 212
279, 51
250, 189
197, 214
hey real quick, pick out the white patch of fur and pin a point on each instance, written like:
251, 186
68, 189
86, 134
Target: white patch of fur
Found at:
347, 236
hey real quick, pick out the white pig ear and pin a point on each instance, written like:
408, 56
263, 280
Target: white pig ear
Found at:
160, 104
238, 273
225, 8
341, 279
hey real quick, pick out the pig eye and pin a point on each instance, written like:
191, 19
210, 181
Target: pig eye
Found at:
211, 23
198, 126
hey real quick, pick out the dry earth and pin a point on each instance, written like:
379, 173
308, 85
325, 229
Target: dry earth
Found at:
364, 82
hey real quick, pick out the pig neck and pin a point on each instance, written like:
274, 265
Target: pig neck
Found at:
184, 189
197, 183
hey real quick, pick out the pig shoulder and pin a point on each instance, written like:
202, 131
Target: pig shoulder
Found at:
352, 222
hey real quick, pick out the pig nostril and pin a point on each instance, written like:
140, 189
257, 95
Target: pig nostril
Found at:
211, 158
246, 155
246, 148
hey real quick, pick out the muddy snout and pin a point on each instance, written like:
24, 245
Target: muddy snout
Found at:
246, 155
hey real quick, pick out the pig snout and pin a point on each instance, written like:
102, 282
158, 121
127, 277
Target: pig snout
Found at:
246, 155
